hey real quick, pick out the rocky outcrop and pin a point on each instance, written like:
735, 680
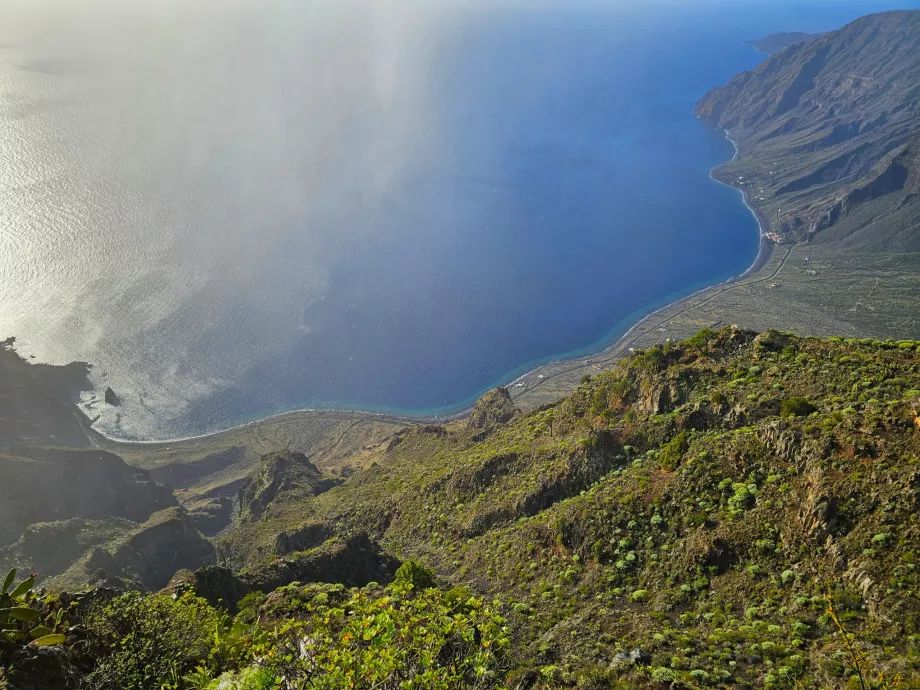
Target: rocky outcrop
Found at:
47, 485
37, 401
469, 482
41, 668
280, 473
166, 543
217, 585
493, 408
354, 561
584, 467
49, 548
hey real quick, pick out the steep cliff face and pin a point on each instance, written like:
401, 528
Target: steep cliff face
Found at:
828, 126
47, 485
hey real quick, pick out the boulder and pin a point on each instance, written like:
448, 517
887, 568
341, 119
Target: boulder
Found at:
42, 668
217, 585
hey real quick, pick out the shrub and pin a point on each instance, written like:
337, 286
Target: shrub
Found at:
415, 574
144, 642
20, 620
674, 451
701, 339
796, 407
402, 639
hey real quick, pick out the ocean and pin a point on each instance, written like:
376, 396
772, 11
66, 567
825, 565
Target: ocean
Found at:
234, 209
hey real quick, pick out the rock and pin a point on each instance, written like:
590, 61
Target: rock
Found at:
50, 548
211, 518
42, 668
493, 408
353, 561
720, 555
636, 657
279, 473
215, 584
770, 341
148, 558
307, 536
110, 396
164, 544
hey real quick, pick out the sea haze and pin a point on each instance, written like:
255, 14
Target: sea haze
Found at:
237, 208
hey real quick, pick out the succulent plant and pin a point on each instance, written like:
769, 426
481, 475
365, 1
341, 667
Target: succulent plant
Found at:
19, 622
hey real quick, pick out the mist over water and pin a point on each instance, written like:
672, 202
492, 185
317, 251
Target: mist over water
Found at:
238, 208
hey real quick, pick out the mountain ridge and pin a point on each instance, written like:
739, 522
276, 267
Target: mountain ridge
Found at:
813, 123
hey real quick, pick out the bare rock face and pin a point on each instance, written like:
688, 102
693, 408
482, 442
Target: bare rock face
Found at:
280, 473
493, 408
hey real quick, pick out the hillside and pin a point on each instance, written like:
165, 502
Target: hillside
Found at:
774, 43
827, 129
683, 520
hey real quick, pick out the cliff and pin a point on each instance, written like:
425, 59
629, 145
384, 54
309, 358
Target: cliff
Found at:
48, 485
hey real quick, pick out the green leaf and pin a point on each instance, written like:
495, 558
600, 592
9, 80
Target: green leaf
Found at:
40, 631
25, 614
9, 580
23, 587
49, 640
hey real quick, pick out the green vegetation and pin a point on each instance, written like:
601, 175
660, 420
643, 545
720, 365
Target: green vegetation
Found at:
22, 616
738, 510
796, 407
329, 637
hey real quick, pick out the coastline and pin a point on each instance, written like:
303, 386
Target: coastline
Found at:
606, 347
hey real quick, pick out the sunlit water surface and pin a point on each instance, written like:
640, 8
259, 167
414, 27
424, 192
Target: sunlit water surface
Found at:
237, 209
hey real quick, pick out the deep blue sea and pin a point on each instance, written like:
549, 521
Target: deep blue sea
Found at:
391, 212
